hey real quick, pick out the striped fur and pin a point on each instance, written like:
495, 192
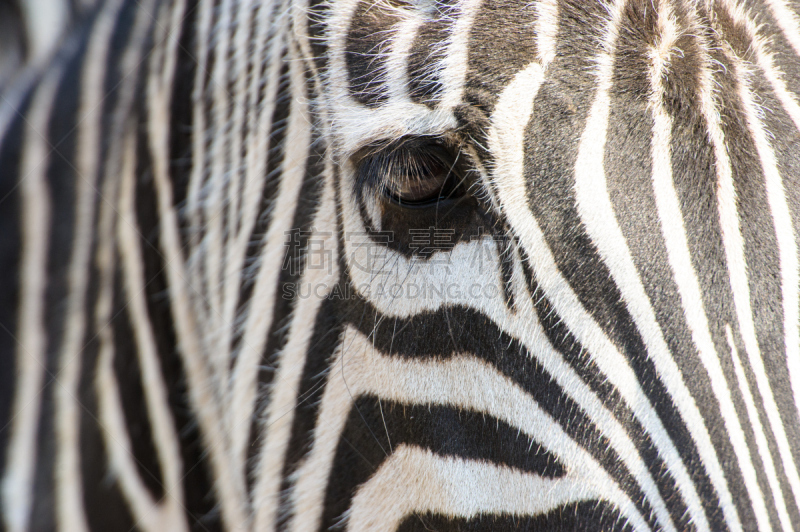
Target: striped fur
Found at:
214, 319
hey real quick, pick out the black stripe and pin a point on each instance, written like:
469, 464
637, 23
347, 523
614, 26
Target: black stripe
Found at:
61, 180
104, 502
471, 332
181, 107
628, 169
222, 110
374, 427
317, 11
196, 475
10, 256
551, 147
132, 393
297, 241
13, 42
427, 51
505, 247
575, 354
257, 244
587, 516
291, 275
365, 52
327, 330
327, 327
493, 61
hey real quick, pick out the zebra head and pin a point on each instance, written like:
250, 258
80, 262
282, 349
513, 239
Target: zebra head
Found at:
401, 265
557, 218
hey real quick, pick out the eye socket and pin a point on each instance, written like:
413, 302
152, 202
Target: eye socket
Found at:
416, 173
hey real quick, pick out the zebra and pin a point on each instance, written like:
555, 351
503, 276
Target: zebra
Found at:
400, 265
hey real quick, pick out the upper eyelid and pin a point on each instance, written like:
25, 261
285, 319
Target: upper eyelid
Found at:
366, 180
447, 139
378, 177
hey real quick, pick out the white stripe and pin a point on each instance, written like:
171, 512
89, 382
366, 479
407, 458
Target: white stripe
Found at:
221, 180
265, 292
69, 490
453, 70
31, 360
155, 389
234, 226
200, 129
205, 397
416, 481
546, 30
787, 21
463, 382
397, 60
758, 432
291, 362
258, 311
46, 22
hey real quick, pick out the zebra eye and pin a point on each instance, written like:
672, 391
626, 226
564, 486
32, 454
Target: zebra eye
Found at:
413, 174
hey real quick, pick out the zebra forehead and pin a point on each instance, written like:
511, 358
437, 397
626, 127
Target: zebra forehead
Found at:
406, 65
425, 68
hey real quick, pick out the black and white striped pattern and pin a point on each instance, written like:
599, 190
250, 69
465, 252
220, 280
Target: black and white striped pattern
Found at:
214, 319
